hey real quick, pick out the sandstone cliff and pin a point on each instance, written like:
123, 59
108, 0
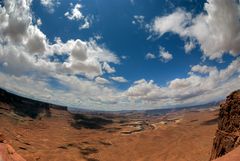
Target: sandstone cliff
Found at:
228, 132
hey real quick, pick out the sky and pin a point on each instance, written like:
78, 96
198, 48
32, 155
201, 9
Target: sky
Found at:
120, 55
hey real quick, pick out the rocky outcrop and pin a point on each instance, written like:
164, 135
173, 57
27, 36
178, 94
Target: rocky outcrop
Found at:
7, 153
227, 136
232, 156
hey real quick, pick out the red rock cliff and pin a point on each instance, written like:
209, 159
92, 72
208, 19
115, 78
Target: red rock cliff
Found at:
228, 132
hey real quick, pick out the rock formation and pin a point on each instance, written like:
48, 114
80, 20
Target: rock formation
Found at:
27, 107
232, 156
7, 153
228, 132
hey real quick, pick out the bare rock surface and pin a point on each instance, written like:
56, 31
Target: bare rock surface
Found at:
232, 156
228, 132
7, 153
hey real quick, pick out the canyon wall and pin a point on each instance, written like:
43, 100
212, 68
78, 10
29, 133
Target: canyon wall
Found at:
228, 132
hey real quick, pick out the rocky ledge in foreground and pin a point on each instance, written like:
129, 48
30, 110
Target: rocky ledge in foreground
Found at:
232, 156
7, 153
227, 136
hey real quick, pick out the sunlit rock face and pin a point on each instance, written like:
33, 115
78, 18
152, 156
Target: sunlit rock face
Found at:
227, 135
7, 153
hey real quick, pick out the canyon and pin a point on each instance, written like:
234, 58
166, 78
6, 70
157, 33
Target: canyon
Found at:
35, 131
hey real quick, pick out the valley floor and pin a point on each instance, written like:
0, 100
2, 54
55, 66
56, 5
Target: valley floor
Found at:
185, 135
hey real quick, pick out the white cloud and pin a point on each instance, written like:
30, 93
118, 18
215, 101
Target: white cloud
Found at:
36, 42
108, 68
75, 13
26, 69
138, 18
79, 51
189, 46
222, 28
119, 79
39, 22
50, 4
85, 58
98, 37
179, 92
101, 80
164, 55
175, 22
217, 30
203, 69
141, 89
86, 24
26, 43
80, 93
150, 56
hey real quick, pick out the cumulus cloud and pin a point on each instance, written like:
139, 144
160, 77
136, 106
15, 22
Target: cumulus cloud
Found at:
28, 67
85, 58
217, 29
25, 54
150, 56
164, 55
175, 22
37, 41
144, 90
119, 79
192, 90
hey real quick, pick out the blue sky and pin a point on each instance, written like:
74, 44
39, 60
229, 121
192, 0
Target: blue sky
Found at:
115, 55
113, 21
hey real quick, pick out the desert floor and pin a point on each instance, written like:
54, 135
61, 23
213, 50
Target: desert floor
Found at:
185, 135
